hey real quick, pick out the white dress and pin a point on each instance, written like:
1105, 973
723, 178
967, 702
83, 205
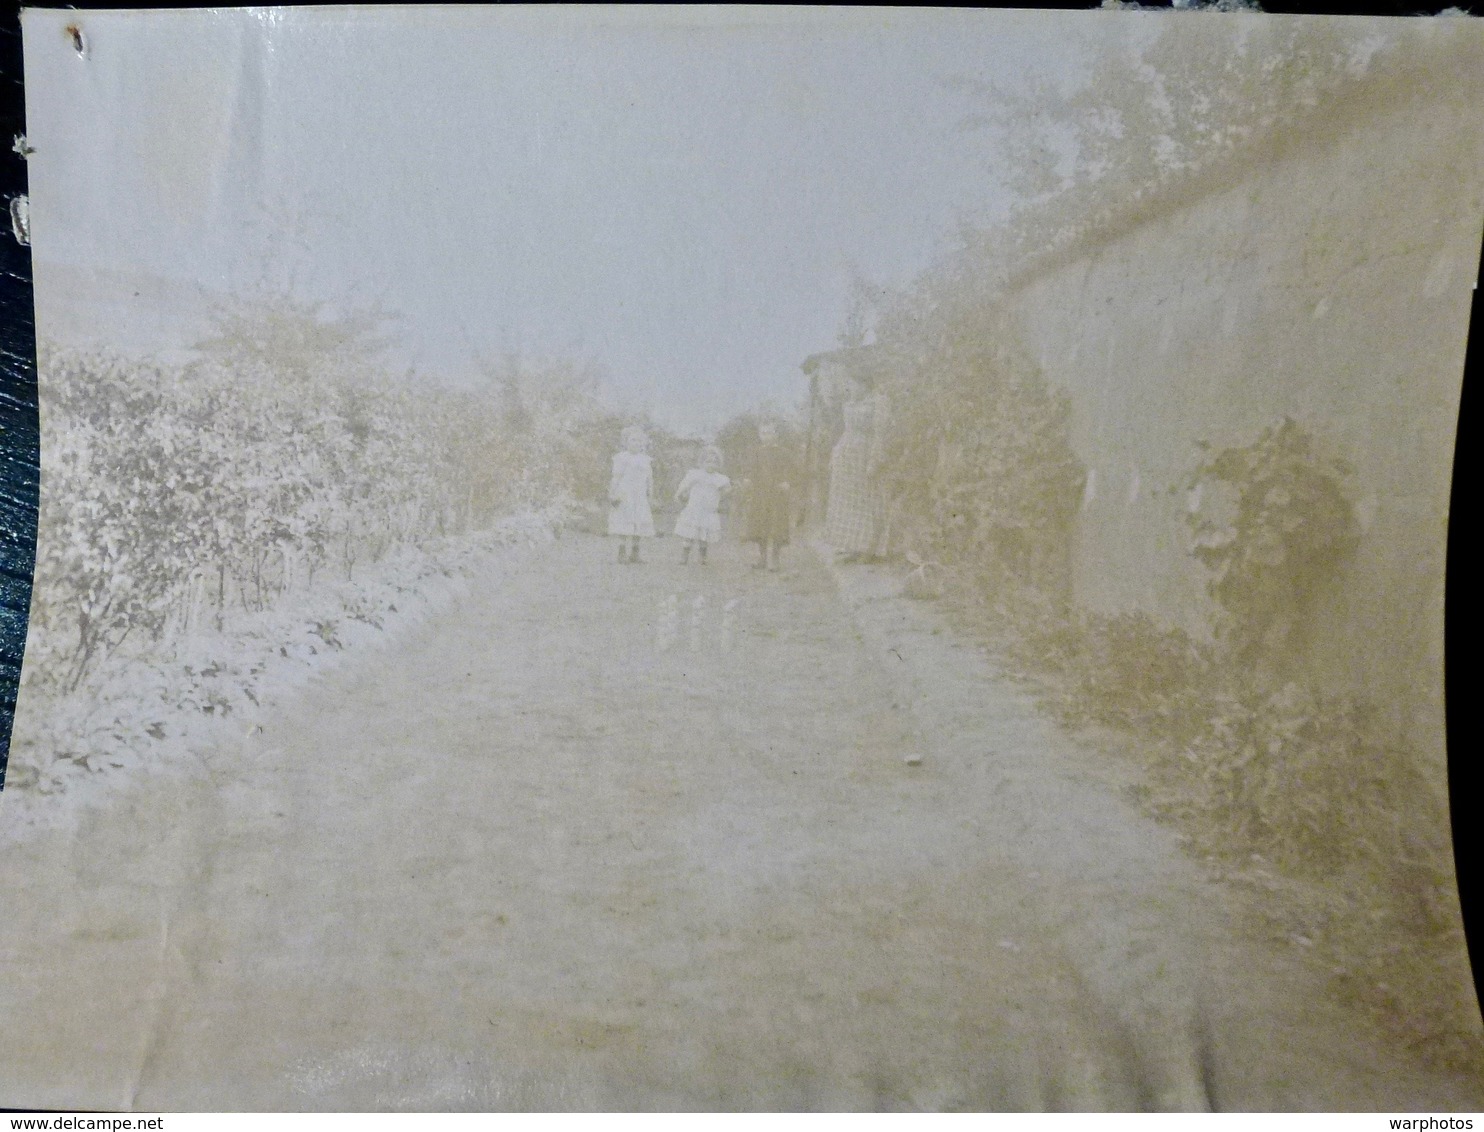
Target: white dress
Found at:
701, 518
631, 485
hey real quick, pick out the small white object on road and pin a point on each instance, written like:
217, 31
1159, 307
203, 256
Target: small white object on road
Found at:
913, 760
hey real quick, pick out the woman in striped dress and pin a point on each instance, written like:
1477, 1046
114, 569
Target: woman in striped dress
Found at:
855, 514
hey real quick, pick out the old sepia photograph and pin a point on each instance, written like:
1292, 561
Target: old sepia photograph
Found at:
741, 559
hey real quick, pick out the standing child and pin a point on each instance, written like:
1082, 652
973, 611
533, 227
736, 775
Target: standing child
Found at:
630, 517
701, 489
770, 496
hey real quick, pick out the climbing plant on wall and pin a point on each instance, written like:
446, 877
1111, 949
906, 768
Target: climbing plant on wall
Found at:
1275, 537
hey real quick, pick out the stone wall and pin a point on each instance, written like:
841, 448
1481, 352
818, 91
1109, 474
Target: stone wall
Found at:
1328, 279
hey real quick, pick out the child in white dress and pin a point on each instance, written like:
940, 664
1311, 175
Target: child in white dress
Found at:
702, 489
629, 490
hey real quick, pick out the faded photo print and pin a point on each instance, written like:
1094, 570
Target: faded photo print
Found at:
741, 559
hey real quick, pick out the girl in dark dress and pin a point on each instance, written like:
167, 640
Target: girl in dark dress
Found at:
770, 492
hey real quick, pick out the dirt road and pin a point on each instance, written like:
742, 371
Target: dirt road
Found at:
645, 837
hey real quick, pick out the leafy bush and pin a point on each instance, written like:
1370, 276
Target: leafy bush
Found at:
1305, 781
1192, 99
1131, 671
978, 459
172, 491
1299, 792
1256, 768
1280, 546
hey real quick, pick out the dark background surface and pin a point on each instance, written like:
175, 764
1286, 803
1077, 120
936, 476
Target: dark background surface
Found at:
19, 464
19, 453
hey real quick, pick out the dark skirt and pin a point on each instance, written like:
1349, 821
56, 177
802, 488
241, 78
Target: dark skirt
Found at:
769, 517
769, 505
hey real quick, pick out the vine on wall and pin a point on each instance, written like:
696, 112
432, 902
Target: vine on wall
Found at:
1278, 546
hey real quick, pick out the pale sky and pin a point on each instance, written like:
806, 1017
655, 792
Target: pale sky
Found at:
679, 195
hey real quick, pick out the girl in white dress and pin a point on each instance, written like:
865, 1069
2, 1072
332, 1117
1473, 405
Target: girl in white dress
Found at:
702, 489
629, 516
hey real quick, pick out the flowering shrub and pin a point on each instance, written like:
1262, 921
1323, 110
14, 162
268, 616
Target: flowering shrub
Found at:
171, 493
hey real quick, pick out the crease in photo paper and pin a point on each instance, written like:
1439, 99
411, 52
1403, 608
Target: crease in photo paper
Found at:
741, 559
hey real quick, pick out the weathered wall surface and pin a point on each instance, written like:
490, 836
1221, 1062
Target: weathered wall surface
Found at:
1331, 283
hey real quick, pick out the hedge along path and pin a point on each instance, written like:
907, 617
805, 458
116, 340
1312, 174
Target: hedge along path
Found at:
645, 837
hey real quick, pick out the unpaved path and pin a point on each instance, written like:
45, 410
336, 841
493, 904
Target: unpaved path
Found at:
590, 841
